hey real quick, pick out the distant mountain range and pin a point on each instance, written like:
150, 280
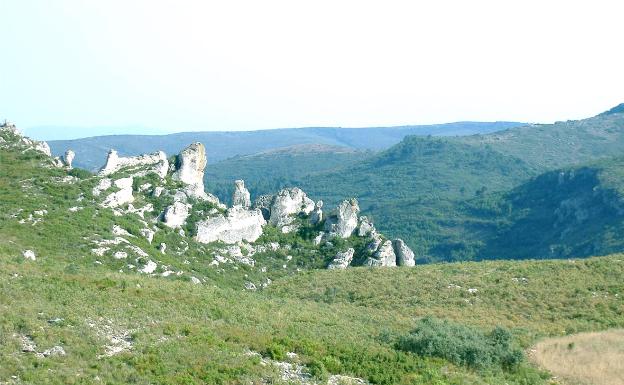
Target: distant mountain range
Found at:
91, 152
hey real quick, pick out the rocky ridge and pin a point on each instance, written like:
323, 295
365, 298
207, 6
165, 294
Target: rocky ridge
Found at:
157, 193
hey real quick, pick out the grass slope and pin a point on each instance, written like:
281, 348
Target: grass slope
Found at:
595, 358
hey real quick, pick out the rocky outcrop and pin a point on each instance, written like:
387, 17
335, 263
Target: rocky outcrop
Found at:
237, 225
342, 260
317, 214
17, 138
404, 255
157, 163
384, 256
241, 196
68, 158
344, 219
190, 169
175, 215
122, 196
287, 204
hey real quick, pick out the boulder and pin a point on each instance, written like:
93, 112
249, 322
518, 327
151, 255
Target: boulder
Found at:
384, 256
344, 219
175, 215
68, 158
121, 197
190, 169
241, 196
237, 225
404, 255
342, 260
156, 162
317, 214
287, 204
29, 254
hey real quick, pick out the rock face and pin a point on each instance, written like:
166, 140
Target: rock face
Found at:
317, 214
384, 256
237, 225
344, 220
241, 196
175, 215
404, 255
68, 158
287, 204
342, 260
190, 169
158, 162
121, 197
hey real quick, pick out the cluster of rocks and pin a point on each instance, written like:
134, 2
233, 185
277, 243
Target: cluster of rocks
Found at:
13, 137
244, 221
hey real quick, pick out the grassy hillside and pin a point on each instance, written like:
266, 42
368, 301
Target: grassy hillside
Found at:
91, 152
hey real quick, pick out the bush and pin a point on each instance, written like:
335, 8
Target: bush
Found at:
462, 345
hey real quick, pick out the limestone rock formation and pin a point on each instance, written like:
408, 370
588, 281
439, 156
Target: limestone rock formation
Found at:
237, 225
344, 220
190, 169
287, 204
404, 255
122, 196
68, 158
157, 161
175, 215
342, 260
317, 214
384, 256
365, 227
241, 196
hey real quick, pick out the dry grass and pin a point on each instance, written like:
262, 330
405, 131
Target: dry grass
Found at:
584, 359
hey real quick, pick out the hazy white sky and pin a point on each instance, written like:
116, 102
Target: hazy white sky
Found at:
231, 65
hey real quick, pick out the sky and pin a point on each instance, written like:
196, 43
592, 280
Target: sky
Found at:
82, 68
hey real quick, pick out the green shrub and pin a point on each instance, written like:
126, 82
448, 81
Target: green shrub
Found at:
318, 371
462, 345
276, 352
80, 173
